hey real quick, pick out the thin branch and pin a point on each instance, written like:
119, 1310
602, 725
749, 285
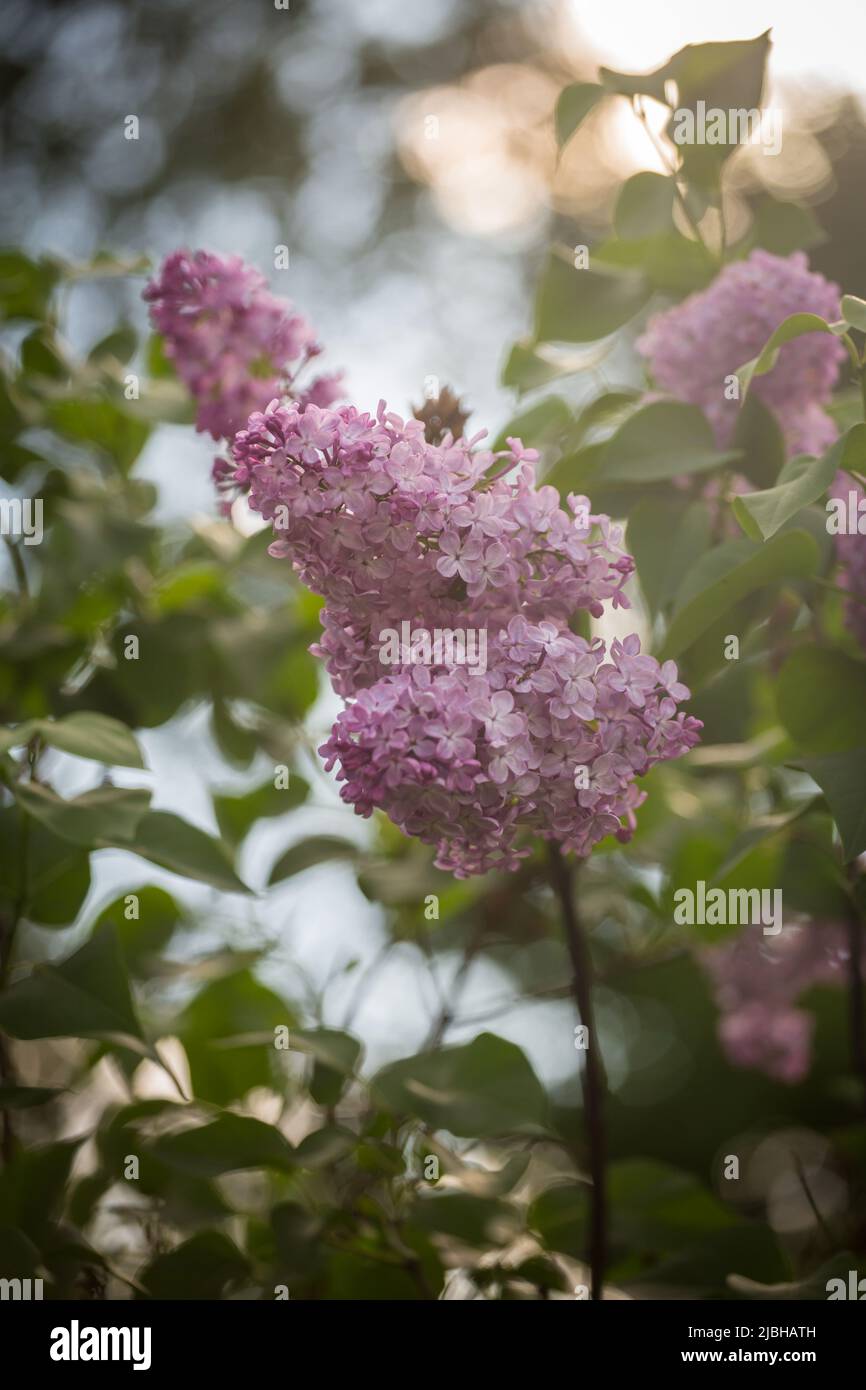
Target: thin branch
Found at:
856, 1000
594, 1083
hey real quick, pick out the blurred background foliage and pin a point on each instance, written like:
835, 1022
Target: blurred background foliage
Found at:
329, 1085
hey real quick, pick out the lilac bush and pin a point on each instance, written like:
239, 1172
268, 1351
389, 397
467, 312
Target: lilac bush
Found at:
691, 348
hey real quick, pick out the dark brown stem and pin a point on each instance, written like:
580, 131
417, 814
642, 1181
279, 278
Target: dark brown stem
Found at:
594, 1084
856, 1000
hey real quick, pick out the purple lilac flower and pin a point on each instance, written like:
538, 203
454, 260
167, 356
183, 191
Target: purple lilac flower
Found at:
691, 348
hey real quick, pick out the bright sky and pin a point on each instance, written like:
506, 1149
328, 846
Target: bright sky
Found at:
825, 41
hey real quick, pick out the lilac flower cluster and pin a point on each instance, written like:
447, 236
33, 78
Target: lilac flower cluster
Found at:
235, 345
758, 981
389, 527
693, 347
851, 553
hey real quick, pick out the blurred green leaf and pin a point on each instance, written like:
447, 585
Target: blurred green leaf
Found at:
820, 698
731, 572
28, 1097
573, 105
32, 1187
172, 843
527, 368
661, 567
202, 1267
99, 817
297, 1242
316, 849
579, 306
235, 1007
49, 877
226, 1145
842, 777
542, 423
98, 421
85, 996
144, 926
90, 735
758, 435
118, 345
478, 1221
785, 227
660, 441
25, 286
645, 206
336, 1057
802, 481
236, 815
482, 1088
854, 311
795, 326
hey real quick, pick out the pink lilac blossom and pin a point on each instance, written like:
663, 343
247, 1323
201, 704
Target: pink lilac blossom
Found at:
235, 345
693, 347
389, 527
758, 982
851, 554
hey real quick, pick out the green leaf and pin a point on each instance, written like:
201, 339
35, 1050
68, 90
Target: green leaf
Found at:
812, 1289
795, 326
785, 227
237, 814
666, 1228
663, 440
202, 1267
174, 844
820, 699
97, 818
298, 1247
145, 936
118, 346
542, 423
222, 1032
25, 286
579, 306
527, 368
629, 84
802, 481
41, 356
483, 1088
670, 262
28, 1097
645, 206
478, 1221
606, 410
95, 736
725, 76
86, 996
730, 573
325, 1147
573, 105
316, 849
160, 367
32, 1187
100, 422
15, 736
765, 828
758, 435
336, 1058
728, 74
662, 567
854, 311
47, 875
842, 777
226, 1145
